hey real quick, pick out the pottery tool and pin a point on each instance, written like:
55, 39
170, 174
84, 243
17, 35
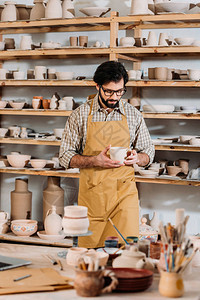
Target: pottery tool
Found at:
81, 264
51, 259
118, 231
186, 262
119, 249
60, 264
22, 277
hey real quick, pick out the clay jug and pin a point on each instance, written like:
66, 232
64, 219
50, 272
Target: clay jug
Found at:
9, 13
52, 222
53, 195
21, 200
38, 10
53, 9
68, 9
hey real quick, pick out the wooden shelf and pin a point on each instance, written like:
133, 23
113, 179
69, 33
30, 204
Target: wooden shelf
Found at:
39, 83
168, 83
28, 142
171, 116
181, 148
35, 112
77, 175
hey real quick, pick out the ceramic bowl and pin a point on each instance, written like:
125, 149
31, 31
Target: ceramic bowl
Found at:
74, 254
64, 75
16, 105
184, 41
38, 163
173, 7
92, 254
127, 41
194, 141
24, 227
3, 104
148, 173
185, 138
94, 11
58, 132
76, 211
158, 108
18, 160
173, 170
3, 132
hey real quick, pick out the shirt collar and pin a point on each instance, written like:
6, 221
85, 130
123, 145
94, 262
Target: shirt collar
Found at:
96, 107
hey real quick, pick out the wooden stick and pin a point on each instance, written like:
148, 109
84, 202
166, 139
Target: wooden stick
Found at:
118, 231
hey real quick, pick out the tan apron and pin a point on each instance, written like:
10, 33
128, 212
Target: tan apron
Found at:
108, 193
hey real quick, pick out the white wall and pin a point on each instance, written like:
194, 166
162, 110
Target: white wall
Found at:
162, 198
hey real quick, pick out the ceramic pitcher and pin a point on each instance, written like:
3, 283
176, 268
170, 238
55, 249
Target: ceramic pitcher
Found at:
139, 7
9, 13
52, 222
53, 9
68, 9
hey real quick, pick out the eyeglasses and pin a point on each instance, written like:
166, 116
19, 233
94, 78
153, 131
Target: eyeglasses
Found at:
109, 93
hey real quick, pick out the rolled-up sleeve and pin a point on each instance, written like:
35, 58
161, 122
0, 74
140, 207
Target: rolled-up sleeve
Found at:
71, 140
143, 142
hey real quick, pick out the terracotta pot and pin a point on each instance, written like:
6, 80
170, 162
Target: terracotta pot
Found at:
171, 285
53, 195
38, 11
45, 103
21, 200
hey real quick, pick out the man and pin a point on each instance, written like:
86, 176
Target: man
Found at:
107, 187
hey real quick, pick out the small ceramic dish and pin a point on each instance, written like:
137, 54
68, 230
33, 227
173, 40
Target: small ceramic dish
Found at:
24, 227
44, 236
16, 105
38, 163
18, 160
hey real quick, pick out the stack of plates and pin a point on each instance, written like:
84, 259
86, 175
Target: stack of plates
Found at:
133, 280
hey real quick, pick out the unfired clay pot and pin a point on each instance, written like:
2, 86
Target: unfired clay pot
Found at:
21, 200
9, 13
53, 195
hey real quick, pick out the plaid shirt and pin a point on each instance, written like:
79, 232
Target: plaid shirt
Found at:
74, 136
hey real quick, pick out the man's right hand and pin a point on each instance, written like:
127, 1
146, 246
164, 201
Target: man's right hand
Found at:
102, 160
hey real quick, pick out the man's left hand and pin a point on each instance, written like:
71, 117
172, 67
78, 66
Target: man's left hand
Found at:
132, 158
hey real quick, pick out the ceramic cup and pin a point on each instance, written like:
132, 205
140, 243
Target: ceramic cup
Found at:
30, 74
36, 103
139, 7
132, 74
184, 165
173, 170
171, 284
152, 39
161, 73
9, 43
3, 74
151, 73
83, 40
118, 153
20, 75
40, 72
163, 38
73, 41
68, 103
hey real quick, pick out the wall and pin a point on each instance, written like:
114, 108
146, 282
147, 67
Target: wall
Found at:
162, 198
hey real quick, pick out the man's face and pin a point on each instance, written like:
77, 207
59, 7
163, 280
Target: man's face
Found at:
107, 95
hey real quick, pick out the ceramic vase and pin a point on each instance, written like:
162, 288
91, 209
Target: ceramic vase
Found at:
52, 222
53, 195
22, 12
9, 13
53, 9
25, 43
38, 10
68, 9
21, 200
171, 285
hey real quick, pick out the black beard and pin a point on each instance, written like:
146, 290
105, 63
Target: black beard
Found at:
111, 105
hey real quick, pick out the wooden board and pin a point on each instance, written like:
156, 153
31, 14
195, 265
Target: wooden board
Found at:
29, 141
38, 83
171, 116
35, 112
67, 242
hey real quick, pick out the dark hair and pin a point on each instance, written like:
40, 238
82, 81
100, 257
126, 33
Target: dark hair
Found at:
110, 71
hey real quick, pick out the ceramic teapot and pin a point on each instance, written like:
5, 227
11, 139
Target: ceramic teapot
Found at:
133, 258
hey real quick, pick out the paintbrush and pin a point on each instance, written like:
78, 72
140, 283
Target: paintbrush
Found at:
118, 231
119, 249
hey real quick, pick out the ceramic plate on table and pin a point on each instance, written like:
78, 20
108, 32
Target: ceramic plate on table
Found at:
50, 237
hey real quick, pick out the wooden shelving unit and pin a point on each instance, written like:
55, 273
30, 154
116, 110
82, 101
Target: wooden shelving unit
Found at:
29, 141
171, 116
35, 112
182, 148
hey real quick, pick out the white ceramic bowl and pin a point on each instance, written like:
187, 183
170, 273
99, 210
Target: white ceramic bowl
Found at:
64, 75
3, 104
184, 41
158, 108
3, 132
127, 41
148, 173
173, 7
16, 105
74, 254
24, 227
194, 141
94, 11
76, 211
58, 132
38, 163
18, 160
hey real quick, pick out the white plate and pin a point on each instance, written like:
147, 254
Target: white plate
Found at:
49, 237
109, 250
169, 177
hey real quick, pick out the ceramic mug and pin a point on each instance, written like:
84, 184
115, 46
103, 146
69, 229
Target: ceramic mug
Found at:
118, 153
83, 40
40, 72
73, 41
20, 75
161, 73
